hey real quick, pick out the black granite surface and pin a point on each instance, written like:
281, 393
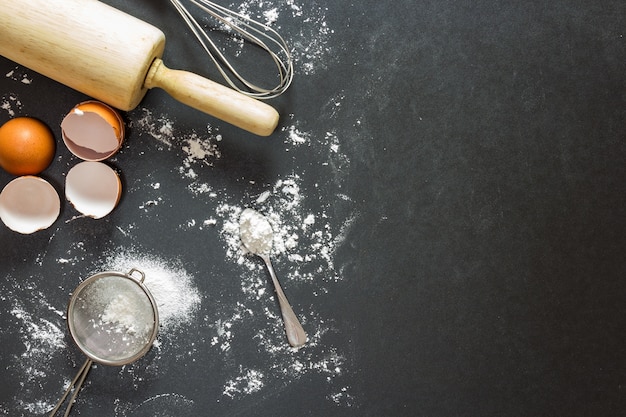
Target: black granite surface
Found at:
477, 196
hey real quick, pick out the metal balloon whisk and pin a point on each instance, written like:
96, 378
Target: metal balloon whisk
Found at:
249, 30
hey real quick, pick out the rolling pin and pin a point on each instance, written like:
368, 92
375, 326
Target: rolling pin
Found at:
115, 58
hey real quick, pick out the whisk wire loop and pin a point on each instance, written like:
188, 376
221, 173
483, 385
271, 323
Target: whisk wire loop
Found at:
249, 30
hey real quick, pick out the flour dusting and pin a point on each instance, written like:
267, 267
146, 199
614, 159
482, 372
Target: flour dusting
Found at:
172, 287
11, 104
295, 136
247, 382
42, 336
162, 405
158, 127
201, 148
18, 74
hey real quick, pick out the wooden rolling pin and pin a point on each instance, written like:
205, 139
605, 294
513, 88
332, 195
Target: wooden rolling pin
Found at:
115, 58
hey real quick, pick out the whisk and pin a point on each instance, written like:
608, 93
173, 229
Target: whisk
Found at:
249, 30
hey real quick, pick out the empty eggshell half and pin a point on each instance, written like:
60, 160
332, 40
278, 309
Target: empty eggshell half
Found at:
29, 204
93, 188
93, 131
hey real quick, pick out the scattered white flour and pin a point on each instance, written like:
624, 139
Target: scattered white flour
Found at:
247, 382
150, 203
159, 128
199, 148
262, 198
303, 248
42, 334
18, 74
196, 146
11, 104
296, 137
162, 405
224, 334
270, 15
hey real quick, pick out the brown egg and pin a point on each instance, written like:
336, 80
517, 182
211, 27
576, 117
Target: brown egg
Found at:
93, 131
26, 146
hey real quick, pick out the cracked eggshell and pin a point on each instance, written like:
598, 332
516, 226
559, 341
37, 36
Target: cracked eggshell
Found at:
93, 188
93, 131
29, 204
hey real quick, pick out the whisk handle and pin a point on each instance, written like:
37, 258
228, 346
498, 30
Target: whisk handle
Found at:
214, 99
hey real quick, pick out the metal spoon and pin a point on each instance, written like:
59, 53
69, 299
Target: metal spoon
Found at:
257, 235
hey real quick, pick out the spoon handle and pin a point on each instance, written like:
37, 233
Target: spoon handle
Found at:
295, 333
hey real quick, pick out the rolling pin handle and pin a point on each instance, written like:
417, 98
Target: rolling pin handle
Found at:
214, 99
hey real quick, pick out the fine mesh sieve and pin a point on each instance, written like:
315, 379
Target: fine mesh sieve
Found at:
113, 320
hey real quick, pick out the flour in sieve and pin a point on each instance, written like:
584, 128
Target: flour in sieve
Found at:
122, 313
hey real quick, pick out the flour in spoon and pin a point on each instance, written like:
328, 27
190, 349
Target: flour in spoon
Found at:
256, 232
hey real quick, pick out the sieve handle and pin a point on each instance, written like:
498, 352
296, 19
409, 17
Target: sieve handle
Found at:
76, 384
130, 274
